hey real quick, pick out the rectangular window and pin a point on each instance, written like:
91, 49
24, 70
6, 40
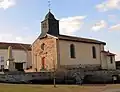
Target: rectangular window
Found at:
2, 66
111, 60
2, 59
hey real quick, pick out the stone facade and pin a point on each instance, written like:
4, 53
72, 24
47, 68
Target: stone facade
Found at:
48, 52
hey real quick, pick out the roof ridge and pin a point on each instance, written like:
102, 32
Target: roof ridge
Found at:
82, 39
5, 45
79, 37
13, 43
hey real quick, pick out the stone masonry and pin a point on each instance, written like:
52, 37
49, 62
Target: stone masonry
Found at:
48, 51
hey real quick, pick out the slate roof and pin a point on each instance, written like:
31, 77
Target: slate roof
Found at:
17, 46
79, 39
49, 16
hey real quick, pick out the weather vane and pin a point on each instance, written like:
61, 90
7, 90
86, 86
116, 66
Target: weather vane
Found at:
49, 4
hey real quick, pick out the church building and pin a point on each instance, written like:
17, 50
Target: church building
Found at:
51, 50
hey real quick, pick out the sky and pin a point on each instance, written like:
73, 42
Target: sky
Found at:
20, 20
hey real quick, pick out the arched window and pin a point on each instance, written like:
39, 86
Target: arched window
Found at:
43, 46
72, 51
94, 52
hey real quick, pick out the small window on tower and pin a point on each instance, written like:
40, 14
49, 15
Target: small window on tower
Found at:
44, 25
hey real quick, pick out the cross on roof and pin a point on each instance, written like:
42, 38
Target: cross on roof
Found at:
49, 4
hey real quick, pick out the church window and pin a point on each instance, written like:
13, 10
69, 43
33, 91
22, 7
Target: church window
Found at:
44, 25
94, 52
111, 60
72, 51
42, 46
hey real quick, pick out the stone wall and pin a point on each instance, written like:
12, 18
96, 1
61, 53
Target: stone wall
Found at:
102, 76
95, 76
82, 66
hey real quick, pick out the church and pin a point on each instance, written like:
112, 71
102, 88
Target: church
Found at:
51, 50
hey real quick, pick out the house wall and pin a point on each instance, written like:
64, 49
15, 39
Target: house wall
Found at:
111, 65
29, 58
104, 64
117, 64
18, 55
83, 53
49, 53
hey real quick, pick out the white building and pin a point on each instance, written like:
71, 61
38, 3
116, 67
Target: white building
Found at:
21, 54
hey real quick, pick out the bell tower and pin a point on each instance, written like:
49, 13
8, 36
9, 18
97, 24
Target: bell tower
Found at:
50, 25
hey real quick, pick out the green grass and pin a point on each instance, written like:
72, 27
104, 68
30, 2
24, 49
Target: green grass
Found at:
50, 88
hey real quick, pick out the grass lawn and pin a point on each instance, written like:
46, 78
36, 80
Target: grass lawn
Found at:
59, 88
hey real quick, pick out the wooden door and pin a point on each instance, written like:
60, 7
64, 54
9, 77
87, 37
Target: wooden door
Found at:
43, 62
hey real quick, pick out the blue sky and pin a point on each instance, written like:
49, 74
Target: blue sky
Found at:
99, 19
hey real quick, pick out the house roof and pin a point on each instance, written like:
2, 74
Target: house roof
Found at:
17, 46
108, 53
79, 39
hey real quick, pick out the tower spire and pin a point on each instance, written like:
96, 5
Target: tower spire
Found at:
49, 5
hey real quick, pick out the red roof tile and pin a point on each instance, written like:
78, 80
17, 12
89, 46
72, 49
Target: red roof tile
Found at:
17, 46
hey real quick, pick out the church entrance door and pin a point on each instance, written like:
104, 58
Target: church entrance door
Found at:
43, 62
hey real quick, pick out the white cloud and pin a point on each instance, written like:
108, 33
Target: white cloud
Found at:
10, 37
115, 27
14, 38
113, 18
109, 5
71, 25
6, 3
16, 35
99, 25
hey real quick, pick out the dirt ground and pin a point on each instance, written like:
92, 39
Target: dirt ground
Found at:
59, 88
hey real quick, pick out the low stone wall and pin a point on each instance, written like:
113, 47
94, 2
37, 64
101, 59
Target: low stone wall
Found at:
100, 76
63, 76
